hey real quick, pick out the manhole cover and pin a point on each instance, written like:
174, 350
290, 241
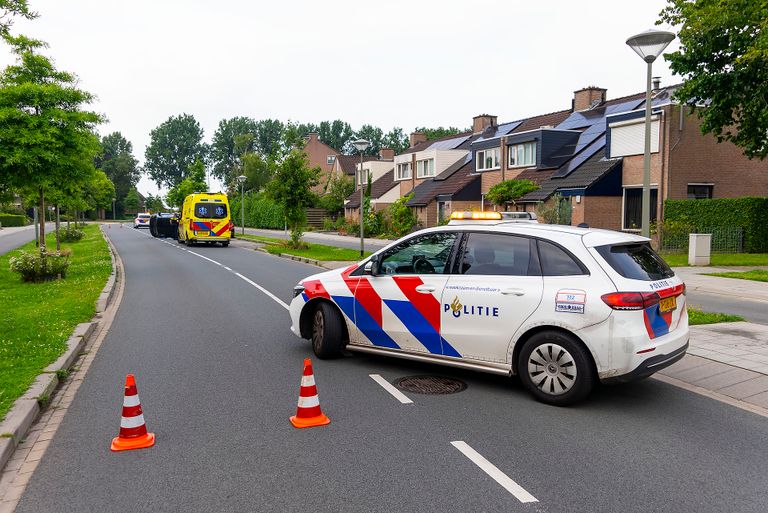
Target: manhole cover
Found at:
432, 385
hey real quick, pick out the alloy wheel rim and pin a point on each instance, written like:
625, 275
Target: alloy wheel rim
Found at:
552, 369
318, 325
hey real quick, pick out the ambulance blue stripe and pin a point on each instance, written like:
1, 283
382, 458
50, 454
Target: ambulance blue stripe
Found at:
364, 322
657, 322
420, 327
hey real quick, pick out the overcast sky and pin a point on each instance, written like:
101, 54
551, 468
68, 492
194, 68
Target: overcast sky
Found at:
387, 63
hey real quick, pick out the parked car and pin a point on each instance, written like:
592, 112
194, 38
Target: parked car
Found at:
560, 306
142, 220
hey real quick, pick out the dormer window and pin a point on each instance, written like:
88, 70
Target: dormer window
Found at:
404, 171
522, 155
488, 159
425, 168
330, 159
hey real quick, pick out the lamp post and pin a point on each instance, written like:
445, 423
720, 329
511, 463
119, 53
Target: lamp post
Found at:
361, 145
241, 180
113, 208
648, 45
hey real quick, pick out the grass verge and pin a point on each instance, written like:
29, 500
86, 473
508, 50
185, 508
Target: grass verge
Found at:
745, 259
755, 275
313, 251
696, 316
38, 318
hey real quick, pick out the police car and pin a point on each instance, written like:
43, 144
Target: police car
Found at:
560, 306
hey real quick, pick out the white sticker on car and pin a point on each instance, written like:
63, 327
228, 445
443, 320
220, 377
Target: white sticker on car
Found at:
570, 300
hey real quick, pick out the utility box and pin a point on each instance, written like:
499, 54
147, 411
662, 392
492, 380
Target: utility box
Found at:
699, 248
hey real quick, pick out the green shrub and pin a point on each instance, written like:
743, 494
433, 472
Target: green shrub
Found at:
750, 214
12, 209
401, 216
329, 224
7, 220
71, 234
42, 266
260, 212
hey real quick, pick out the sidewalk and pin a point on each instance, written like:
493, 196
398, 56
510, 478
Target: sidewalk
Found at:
696, 280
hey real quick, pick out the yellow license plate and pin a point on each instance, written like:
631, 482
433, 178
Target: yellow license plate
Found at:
668, 304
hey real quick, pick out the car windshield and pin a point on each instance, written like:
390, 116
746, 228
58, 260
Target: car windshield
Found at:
636, 261
143, 216
210, 210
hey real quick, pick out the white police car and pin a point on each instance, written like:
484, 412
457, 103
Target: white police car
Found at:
562, 307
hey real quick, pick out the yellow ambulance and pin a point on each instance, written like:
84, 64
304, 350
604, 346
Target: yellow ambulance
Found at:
205, 219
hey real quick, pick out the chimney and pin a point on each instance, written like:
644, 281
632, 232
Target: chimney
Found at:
312, 137
588, 97
656, 83
417, 137
386, 154
481, 122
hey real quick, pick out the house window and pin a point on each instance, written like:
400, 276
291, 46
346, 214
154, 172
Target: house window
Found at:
330, 159
425, 168
404, 171
488, 159
633, 206
700, 190
363, 175
522, 154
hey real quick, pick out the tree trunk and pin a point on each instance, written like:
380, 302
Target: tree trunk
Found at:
41, 218
58, 226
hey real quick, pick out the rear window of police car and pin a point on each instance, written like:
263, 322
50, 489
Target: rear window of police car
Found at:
635, 261
210, 210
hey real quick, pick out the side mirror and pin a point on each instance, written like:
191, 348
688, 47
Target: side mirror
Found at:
371, 267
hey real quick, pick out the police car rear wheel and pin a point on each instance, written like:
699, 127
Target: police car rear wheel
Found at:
327, 332
555, 368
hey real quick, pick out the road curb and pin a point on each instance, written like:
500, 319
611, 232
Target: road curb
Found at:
25, 410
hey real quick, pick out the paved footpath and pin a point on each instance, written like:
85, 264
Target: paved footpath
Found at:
15, 236
696, 280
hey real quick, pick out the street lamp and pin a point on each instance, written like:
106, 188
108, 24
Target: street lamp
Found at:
361, 145
113, 208
648, 45
241, 180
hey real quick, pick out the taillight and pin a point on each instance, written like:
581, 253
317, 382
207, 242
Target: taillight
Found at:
630, 300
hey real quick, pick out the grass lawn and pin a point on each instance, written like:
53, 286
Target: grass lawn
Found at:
314, 251
696, 316
745, 259
38, 318
755, 275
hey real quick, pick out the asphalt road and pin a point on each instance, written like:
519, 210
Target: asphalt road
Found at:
18, 238
753, 311
218, 373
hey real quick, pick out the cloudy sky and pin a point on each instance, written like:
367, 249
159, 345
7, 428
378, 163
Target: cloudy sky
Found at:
387, 63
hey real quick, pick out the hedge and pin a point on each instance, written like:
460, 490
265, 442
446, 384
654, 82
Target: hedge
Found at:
751, 214
7, 220
259, 213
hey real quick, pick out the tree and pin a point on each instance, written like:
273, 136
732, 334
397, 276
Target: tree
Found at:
47, 141
224, 156
121, 167
509, 191
294, 135
194, 182
372, 134
10, 9
132, 200
339, 189
175, 145
154, 203
269, 137
291, 188
257, 170
396, 140
337, 133
723, 58
437, 133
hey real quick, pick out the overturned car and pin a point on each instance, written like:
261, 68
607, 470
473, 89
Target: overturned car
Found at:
164, 225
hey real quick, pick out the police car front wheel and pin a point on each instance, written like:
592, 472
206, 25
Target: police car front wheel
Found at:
327, 331
555, 368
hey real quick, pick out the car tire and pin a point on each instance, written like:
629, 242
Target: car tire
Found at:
327, 332
555, 368
225, 244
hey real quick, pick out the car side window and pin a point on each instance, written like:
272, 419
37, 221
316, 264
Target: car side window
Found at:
497, 254
426, 254
555, 261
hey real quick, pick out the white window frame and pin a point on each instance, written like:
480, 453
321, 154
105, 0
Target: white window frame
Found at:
330, 159
480, 156
513, 150
363, 176
421, 168
406, 173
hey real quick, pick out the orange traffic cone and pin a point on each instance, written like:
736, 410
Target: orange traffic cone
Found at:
308, 413
133, 429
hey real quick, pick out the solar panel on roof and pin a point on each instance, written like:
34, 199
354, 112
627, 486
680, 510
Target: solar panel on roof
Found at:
448, 144
597, 145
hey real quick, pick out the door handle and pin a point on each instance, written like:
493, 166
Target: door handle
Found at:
425, 289
512, 292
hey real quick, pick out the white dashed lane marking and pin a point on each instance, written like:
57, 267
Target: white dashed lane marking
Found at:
386, 385
492, 470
